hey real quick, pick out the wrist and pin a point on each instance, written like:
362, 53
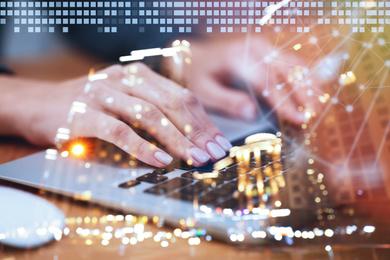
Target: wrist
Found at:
18, 104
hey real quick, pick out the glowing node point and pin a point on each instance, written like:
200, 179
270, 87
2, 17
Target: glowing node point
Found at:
307, 115
140, 81
347, 78
109, 100
328, 248
267, 59
387, 63
297, 46
346, 56
133, 69
309, 92
138, 108
334, 100
274, 54
265, 93
381, 41
313, 40
164, 122
187, 128
336, 33
349, 108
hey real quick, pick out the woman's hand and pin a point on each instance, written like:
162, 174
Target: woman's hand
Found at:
105, 105
280, 77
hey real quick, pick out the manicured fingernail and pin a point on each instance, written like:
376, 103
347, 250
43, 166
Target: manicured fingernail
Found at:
223, 142
163, 158
248, 112
215, 150
199, 155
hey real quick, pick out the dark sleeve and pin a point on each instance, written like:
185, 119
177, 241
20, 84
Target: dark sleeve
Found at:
5, 70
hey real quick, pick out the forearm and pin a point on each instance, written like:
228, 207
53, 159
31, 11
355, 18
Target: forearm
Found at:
11, 112
23, 107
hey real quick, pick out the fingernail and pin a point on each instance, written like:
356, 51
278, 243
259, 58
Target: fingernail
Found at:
215, 150
248, 112
163, 158
223, 142
199, 155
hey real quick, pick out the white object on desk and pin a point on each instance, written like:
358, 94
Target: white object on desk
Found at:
27, 220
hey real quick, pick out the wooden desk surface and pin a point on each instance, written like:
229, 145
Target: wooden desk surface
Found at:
77, 246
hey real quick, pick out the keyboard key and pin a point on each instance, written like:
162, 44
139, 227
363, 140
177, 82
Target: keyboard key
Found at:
169, 186
183, 196
220, 194
228, 174
128, 184
188, 175
152, 178
193, 191
161, 171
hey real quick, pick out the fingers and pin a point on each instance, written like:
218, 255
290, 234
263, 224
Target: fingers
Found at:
148, 117
233, 102
182, 109
97, 124
285, 106
167, 111
279, 96
201, 116
297, 78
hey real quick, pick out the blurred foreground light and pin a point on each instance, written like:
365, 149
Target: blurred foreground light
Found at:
347, 78
275, 213
259, 234
369, 229
328, 248
77, 149
329, 233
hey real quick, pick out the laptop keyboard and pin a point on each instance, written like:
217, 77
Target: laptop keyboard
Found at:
241, 185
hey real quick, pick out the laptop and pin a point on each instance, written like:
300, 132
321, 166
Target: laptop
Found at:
109, 177
332, 184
